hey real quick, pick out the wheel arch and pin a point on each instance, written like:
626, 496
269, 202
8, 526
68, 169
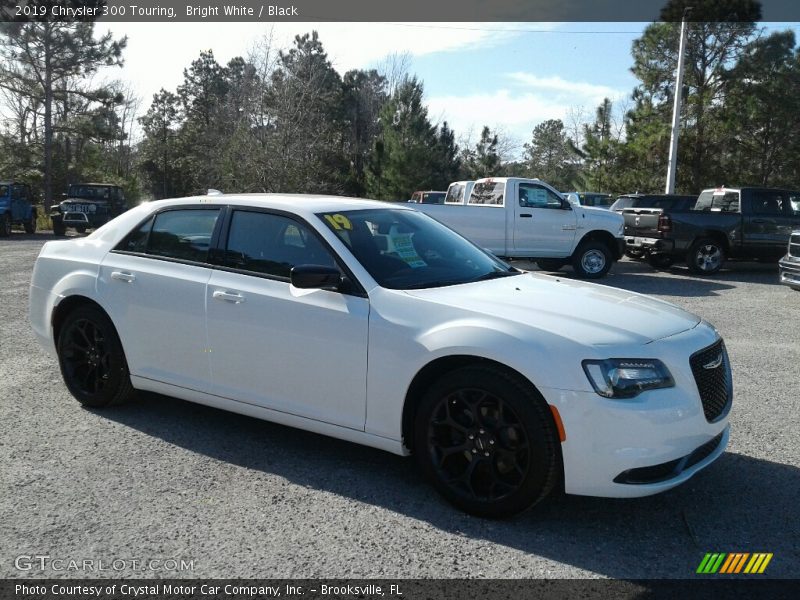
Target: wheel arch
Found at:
66, 306
436, 369
716, 235
604, 237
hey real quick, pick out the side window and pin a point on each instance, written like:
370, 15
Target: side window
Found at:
272, 244
182, 234
136, 240
536, 196
768, 203
794, 203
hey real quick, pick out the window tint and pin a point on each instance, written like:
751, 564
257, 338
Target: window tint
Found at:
536, 196
718, 201
137, 239
272, 244
183, 234
768, 203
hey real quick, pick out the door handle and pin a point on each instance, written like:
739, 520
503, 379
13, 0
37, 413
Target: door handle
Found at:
568, 227
525, 215
123, 276
228, 297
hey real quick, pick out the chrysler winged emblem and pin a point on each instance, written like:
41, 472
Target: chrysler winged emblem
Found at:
714, 363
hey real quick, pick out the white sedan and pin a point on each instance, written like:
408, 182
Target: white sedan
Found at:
376, 324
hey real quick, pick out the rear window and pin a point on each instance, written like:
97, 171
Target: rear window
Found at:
623, 202
455, 193
433, 197
718, 201
180, 234
488, 193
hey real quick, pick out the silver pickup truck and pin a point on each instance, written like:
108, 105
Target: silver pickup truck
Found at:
514, 217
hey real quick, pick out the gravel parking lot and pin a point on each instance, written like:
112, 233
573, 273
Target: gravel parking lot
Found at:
164, 479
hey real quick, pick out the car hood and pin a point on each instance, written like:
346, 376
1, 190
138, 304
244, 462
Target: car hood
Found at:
587, 313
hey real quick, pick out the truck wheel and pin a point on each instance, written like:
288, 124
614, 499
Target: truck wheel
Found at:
80, 228
660, 261
591, 260
486, 441
706, 256
58, 227
550, 264
30, 224
91, 358
5, 225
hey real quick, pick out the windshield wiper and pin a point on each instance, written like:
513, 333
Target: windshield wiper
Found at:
496, 275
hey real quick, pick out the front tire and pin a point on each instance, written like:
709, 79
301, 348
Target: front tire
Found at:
58, 227
706, 256
592, 260
486, 441
91, 358
550, 264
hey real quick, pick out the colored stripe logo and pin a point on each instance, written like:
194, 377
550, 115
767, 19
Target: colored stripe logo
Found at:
734, 563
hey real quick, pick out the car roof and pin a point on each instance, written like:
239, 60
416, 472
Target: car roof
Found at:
307, 203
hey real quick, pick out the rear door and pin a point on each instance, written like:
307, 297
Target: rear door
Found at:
542, 226
153, 285
768, 223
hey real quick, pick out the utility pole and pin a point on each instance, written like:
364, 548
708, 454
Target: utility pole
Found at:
676, 111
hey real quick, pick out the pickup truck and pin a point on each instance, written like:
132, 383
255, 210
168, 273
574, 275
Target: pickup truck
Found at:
789, 265
641, 213
16, 207
514, 217
740, 223
88, 205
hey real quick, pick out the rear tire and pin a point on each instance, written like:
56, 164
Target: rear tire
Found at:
91, 358
30, 225
706, 256
550, 264
486, 441
5, 225
591, 260
80, 228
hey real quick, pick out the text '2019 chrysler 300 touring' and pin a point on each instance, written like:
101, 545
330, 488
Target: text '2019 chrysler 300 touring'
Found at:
379, 325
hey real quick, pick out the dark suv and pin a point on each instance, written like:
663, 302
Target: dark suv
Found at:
88, 205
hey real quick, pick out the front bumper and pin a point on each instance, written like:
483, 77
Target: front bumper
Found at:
647, 444
789, 271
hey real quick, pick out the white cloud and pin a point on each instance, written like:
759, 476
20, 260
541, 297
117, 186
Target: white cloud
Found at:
518, 108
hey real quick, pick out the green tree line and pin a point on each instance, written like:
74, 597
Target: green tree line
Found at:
284, 120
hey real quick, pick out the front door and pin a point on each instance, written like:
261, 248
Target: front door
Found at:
298, 351
542, 226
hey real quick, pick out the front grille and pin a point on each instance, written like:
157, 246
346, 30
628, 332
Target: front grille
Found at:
794, 245
712, 374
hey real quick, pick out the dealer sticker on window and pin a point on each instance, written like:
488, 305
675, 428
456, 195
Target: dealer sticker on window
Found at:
404, 249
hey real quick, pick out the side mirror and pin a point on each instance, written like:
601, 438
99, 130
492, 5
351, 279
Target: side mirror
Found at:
566, 205
314, 276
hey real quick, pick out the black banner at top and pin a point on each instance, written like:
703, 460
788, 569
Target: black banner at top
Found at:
407, 10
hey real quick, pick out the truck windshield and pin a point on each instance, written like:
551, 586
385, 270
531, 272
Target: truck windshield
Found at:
404, 249
90, 192
718, 201
488, 192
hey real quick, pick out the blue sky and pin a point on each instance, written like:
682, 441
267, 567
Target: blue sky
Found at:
508, 76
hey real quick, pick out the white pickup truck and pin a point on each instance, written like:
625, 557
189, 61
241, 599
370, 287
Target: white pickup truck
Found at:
526, 218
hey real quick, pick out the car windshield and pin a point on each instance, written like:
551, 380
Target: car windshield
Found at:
90, 192
404, 249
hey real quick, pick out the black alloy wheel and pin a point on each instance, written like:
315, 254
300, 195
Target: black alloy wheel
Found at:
486, 441
91, 359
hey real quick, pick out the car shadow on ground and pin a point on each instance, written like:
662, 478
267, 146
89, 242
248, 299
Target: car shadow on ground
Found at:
738, 504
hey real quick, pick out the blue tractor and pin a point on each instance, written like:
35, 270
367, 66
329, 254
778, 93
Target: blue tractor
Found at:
16, 207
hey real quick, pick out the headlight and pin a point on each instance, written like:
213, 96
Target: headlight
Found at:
626, 377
